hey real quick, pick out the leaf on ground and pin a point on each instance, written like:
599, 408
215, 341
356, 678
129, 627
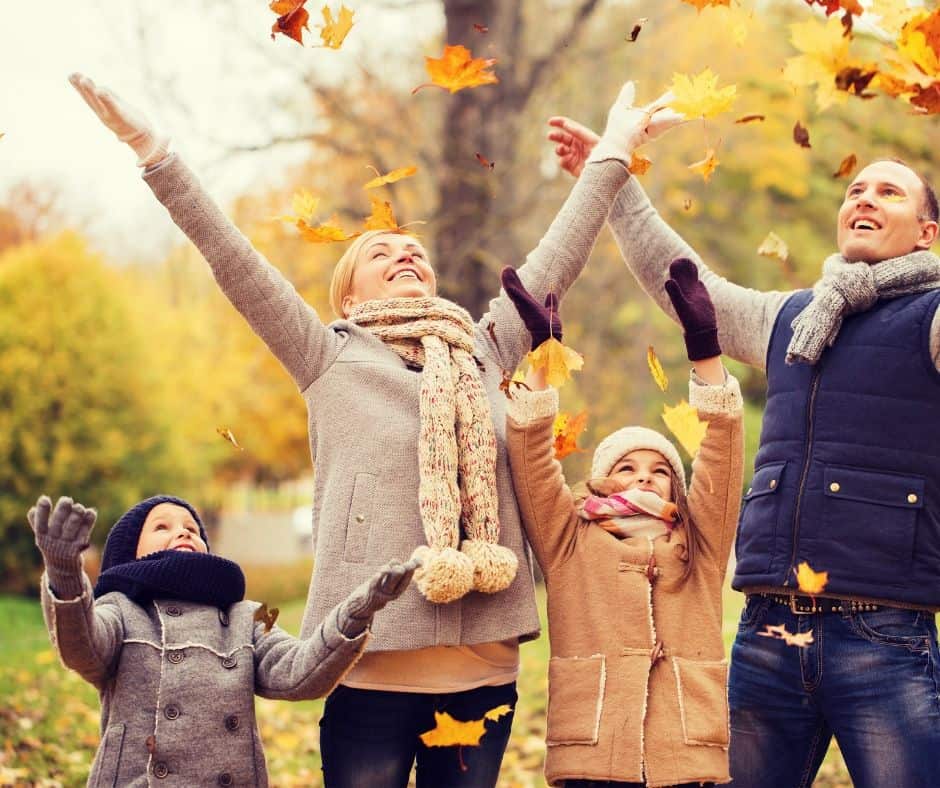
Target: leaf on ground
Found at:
566, 430
706, 166
656, 369
846, 166
683, 422
457, 69
700, 96
779, 632
557, 360
801, 135
391, 177
292, 19
334, 31
810, 581
774, 246
229, 436
639, 163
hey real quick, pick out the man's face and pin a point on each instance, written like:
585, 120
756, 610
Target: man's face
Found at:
883, 214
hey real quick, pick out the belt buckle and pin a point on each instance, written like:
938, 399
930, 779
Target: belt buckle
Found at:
796, 611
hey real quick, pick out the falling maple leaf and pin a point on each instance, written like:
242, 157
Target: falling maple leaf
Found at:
779, 632
750, 118
268, 617
391, 177
485, 162
639, 163
292, 19
684, 423
855, 80
699, 95
687, 204
566, 430
334, 31
497, 712
846, 166
481, 29
831, 6
656, 369
636, 29
801, 135
706, 166
229, 436
700, 4
382, 216
556, 360
457, 69
509, 381
810, 582
448, 732
326, 233
774, 246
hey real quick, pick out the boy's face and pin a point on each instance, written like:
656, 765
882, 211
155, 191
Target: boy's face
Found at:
169, 527
644, 469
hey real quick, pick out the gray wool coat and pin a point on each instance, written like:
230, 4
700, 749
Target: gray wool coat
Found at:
363, 406
177, 682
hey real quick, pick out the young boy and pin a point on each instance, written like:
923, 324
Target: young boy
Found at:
173, 648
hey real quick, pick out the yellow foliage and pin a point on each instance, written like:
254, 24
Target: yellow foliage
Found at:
557, 360
684, 423
699, 96
334, 31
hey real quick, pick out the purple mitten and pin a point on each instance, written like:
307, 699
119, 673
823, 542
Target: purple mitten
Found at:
694, 307
543, 322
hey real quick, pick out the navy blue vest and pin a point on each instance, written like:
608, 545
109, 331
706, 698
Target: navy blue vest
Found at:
847, 477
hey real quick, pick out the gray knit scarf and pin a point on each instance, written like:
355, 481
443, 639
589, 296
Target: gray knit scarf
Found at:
847, 288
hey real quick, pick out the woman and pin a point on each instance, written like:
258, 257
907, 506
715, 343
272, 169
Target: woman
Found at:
407, 430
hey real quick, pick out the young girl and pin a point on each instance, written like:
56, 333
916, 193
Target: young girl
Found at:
175, 653
634, 569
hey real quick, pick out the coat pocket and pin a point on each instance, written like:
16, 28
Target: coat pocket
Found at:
703, 700
359, 518
575, 699
105, 770
757, 524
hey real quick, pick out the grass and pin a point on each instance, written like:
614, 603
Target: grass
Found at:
49, 717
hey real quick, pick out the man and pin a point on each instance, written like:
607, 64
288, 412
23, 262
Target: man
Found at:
847, 479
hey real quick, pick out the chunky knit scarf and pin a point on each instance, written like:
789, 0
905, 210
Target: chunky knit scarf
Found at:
176, 574
847, 288
457, 446
631, 513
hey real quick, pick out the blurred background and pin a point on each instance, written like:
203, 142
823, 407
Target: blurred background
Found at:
120, 361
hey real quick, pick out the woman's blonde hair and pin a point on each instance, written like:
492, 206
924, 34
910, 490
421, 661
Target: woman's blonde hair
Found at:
341, 282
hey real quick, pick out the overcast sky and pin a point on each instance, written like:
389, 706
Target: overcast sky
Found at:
207, 54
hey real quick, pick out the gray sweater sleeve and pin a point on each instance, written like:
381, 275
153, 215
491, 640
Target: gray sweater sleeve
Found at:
88, 637
557, 260
745, 316
287, 324
289, 668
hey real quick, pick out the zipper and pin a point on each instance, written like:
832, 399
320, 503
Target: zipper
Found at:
807, 458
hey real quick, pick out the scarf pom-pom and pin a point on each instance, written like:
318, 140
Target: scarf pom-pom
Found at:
494, 566
445, 574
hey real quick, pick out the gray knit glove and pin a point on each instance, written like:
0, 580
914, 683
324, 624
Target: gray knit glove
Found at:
61, 539
356, 611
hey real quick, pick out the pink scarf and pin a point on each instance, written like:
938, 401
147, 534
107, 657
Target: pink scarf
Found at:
631, 513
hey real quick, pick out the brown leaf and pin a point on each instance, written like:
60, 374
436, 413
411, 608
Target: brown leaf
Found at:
508, 382
687, 204
267, 617
636, 29
485, 162
927, 99
750, 118
481, 29
292, 19
801, 135
846, 167
854, 80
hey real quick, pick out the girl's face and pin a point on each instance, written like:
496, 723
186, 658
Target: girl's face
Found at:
169, 527
644, 469
391, 266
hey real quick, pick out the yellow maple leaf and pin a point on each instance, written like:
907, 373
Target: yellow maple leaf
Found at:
557, 360
391, 177
656, 369
326, 233
229, 436
639, 163
892, 15
334, 31
774, 246
304, 204
684, 423
700, 4
498, 711
457, 69
566, 430
810, 582
449, 732
780, 632
706, 166
699, 95
382, 216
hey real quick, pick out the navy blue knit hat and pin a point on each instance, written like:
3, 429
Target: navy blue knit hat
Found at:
121, 546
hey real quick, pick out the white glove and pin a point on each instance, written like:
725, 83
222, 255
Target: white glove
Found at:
127, 123
629, 127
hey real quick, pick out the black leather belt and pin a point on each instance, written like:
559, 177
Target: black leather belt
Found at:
806, 605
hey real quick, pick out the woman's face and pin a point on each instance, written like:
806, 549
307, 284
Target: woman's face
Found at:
644, 469
170, 527
391, 266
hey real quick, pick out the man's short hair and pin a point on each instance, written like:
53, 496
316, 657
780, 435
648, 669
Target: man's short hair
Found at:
930, 210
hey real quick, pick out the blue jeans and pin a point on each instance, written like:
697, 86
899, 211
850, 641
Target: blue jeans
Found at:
369, 738
870, 679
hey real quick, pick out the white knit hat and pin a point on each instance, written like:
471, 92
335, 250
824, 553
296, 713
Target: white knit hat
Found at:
628, 439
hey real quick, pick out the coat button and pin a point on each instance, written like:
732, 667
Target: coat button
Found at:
229, 662
912, 498
231, 722
223, 618
160, 770
225, 779
360, 518
834, 487
773, 484
171, 712
175, 657
749, 490
173, 610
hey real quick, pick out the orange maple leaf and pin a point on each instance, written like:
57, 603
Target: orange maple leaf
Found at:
382, 216
566, 430
292, 19
449, 732
809, 581
846, 167
391, 177
334, 31
700, 4
457, 69
639, 163
557, 360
